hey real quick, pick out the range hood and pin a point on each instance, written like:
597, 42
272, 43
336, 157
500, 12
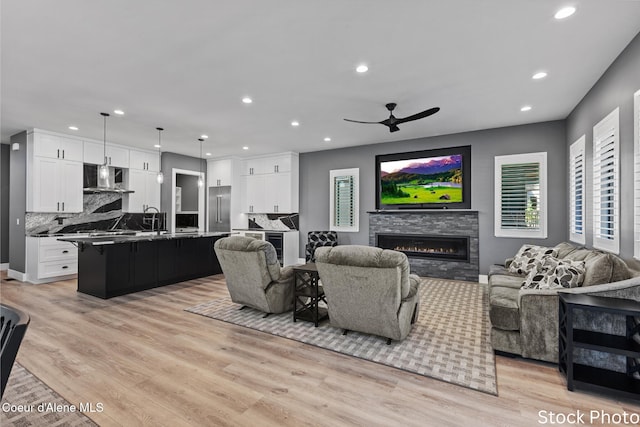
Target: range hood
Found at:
94, 184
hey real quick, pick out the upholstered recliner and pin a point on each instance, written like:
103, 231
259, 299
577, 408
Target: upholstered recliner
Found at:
253, 274
317, 239
369, 290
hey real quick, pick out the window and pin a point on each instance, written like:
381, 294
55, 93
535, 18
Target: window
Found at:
606, 184
344, 209
636, 179
576, 191
521, 196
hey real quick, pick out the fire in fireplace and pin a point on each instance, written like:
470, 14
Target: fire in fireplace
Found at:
426, 246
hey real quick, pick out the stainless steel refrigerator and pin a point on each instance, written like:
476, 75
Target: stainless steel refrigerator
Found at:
220, 209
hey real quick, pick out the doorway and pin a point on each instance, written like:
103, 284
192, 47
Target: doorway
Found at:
187, 202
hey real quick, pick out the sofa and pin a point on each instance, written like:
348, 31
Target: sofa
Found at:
253, 274
524, 321
369, 290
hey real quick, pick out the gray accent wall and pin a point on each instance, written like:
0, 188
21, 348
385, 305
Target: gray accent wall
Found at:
614, 89
171, 161
4, 203
17, 203
485, 145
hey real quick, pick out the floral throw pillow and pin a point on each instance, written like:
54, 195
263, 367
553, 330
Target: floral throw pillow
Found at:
553, 273
527, 258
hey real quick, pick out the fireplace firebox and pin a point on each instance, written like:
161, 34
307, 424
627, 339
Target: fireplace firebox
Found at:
455, 248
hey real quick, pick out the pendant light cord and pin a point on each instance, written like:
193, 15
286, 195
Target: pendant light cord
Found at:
104, 137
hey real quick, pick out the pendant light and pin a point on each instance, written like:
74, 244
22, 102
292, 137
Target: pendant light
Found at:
200, 180
160, 176
103, 171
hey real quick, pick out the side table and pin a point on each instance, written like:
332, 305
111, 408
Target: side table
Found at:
570, 338
308, 294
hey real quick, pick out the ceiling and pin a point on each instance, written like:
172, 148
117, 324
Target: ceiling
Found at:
186, 66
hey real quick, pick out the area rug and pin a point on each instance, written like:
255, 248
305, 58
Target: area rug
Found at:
27, 401
448, 342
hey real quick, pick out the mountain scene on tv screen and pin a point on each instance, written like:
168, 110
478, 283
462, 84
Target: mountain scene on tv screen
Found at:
422, 181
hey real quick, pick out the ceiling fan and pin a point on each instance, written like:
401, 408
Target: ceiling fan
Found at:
392, 122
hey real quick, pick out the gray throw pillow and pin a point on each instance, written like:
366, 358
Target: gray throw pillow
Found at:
527, 257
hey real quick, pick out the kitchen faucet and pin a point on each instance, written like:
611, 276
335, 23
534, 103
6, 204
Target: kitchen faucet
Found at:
153, 218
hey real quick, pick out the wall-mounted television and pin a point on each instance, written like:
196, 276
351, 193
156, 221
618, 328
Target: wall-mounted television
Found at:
429, 179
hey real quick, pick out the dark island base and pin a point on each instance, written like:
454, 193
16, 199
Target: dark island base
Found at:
107, 271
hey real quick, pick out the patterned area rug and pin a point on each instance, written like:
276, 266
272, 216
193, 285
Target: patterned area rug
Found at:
27, 401
449, 342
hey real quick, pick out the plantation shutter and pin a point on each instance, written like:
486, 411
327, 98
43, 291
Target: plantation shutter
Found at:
344, 204
344, 201
636, 179
521, 195
576, 190
606, 171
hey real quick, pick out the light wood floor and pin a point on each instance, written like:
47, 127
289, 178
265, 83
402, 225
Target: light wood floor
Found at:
151, 363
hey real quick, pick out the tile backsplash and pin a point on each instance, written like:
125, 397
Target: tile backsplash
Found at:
274, 221
101, 211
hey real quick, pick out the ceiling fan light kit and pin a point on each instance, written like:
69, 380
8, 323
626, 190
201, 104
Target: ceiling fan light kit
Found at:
392, 122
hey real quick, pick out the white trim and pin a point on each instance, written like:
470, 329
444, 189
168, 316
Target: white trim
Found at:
636, 172
201, 197
537, 233
577, 151
483, 279
354, 173
606, 134
4, 266
18, 275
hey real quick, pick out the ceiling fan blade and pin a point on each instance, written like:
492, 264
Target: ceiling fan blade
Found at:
358, 121
425, 113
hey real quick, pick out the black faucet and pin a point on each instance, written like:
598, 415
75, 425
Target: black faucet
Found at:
153, 218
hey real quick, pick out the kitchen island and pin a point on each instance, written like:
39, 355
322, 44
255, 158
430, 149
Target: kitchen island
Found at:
117, 265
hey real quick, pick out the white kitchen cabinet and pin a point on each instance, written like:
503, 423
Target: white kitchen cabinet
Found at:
146, 191
280, 194
254, 198
94, 153
219, 173
144, 160
254, 166
49, 259
278, 164
56, 146
273, 191
54, 185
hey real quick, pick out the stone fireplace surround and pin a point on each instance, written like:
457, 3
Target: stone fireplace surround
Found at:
436, 222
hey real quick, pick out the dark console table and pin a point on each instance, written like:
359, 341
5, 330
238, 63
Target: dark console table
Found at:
308, 294
589, 377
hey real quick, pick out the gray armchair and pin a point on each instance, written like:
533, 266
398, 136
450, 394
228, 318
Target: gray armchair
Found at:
369, 290
253, 274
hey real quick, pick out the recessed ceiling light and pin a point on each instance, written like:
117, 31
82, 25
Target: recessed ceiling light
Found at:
245, 148
73, 127
247, 100
362, 68
203, 136
565, 12
526, 108
295, 123
119, 112
208, 154
539, 75
327, 139
157, 145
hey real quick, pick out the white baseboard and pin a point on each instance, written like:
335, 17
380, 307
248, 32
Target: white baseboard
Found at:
302, 261
4, 266
483, 278
18, 275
